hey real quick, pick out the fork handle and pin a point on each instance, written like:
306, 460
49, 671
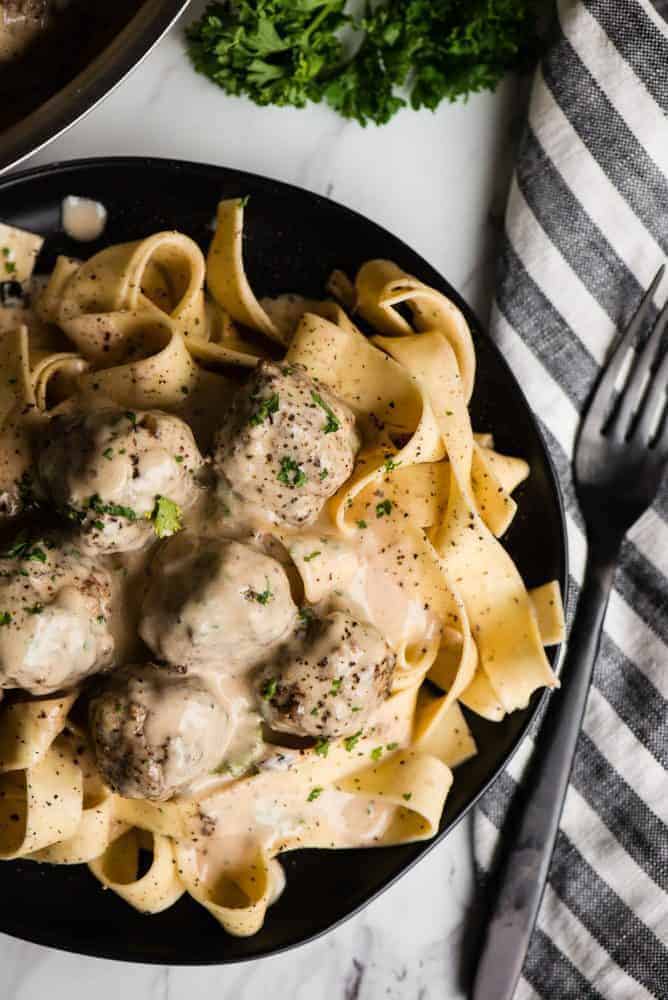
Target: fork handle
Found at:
522, 879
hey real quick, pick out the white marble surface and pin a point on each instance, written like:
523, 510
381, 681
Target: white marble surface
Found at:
438, 181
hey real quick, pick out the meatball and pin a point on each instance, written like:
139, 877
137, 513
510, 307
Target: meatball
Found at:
154, 730
286, 444
327, 679
54, 611
112, 470
215, 602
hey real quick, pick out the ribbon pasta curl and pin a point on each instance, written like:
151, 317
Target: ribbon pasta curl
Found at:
428, 499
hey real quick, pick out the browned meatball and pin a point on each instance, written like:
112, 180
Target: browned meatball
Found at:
154, 730
327, 679
286, 444
54, 610
215, 602
107, 469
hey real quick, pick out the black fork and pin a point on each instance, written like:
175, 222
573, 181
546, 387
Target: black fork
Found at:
621, 454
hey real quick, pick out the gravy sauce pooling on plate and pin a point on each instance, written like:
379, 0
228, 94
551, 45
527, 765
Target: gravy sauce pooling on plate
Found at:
268, 542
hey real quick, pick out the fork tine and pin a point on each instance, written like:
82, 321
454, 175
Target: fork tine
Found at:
636, 386
655, 393
598, 409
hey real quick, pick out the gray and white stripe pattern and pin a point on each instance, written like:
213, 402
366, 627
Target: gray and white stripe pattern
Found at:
586, 229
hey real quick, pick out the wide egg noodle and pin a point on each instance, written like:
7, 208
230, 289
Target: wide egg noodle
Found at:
119, 866
238, 903
97, 829
40, 805
28, 728
381, 286
225, 275
501, 615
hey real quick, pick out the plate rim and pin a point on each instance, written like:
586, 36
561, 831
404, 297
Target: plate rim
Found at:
49, 938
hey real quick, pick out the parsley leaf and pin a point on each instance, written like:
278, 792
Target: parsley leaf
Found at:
269, 689
322, 747
5, 618
25, 549
314, 793
95, 504
265, 410
312, 555
263, 596
350, 742
291, 474
333, 423
383, 508
166, 517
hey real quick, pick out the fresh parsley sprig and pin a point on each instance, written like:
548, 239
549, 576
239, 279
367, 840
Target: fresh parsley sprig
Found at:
409, 52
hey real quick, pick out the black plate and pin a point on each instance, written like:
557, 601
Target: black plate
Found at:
294, 239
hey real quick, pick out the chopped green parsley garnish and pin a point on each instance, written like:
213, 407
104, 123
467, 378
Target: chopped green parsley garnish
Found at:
262, 597
100, 619
269, 689
314, 793
26, 550
336, 685
5, 618
291, 474
332, 424
95, 504
244, 201
265, 410
166, 517
376, 753
408, 796
391, 465
312, 555
10, 267
306, 615
322, 747
323, 474
108, 453
6, 252
132, 417
362, 523
351, 742
36, 609
391, 746
178, 458
383, 508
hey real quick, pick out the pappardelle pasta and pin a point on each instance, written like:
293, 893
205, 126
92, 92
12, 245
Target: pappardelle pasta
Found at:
251, 568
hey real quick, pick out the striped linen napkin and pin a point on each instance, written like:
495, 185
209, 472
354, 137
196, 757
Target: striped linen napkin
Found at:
586, 230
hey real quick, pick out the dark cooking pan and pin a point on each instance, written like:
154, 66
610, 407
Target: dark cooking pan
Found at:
66, 74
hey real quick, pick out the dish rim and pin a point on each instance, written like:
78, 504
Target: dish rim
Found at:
49, 937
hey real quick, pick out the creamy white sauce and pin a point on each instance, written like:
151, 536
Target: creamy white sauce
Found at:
363, 576
83, 219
